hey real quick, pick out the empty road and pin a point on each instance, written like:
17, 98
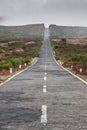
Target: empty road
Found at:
44, 97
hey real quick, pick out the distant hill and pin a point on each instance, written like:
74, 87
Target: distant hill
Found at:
26, 32
67, 32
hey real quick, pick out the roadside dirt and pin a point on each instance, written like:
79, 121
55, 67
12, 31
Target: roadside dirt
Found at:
74, 41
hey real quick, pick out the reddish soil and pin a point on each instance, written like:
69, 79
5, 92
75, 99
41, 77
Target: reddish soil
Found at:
74, 41
6, 73
19, 50
74, 68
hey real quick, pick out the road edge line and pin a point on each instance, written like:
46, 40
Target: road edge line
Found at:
66, 68
14, 75
70, 72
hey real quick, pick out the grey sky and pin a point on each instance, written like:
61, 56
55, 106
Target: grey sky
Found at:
60, 12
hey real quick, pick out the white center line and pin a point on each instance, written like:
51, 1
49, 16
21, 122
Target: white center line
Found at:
45, 73
44, 86
44, 114
45, 78
44, 90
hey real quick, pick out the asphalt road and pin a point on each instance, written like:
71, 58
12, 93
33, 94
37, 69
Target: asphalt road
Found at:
44, 97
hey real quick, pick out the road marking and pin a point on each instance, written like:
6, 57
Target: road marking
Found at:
44, 86
45, 78
44, 114
44, 90
72, 73
45, 73
14, 75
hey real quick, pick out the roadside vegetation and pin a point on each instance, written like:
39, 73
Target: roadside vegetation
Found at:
74, 56
69, 46
71, 54
14, 54
19, 47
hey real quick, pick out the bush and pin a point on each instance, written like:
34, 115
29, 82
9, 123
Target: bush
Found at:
77, 53
14, 58
75, 58
1, 50
17, 61
4, 64
7, 66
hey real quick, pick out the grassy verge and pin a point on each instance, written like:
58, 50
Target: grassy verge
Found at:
74, 56
15, 54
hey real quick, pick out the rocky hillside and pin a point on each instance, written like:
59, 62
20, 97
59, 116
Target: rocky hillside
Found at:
68, 31
19, 45
19, 33
70, 47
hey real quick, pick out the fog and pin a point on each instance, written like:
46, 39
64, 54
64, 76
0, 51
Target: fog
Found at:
60, 12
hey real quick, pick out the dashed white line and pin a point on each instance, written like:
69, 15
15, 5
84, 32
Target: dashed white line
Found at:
44, 114
44, 86
45, 78
44, 90
44, 107
45, 73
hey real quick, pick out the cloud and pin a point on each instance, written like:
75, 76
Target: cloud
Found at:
2, 19
66, 5
48, 11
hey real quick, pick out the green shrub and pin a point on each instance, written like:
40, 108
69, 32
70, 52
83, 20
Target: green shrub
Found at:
1, 50
77, 54
7, 66
17, 61
4, 64
75, 58
14, 59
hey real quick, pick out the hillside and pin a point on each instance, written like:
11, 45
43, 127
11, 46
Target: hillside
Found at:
19, 46
26, 32
67, 32
70, 47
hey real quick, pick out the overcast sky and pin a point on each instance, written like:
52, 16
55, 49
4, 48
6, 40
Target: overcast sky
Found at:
60, 12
